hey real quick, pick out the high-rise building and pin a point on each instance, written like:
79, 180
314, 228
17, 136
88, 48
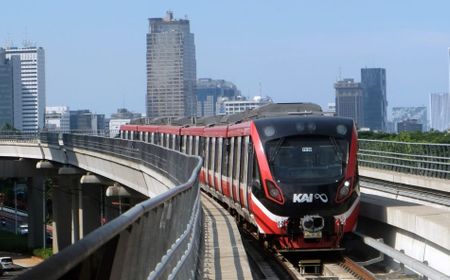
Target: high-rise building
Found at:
401, 114
171, 68
10, 92
373, 84
208, 93
440, 111
32, 63
349, 100
57, 118
85, 121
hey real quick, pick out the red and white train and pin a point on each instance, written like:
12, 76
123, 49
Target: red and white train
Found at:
291, 174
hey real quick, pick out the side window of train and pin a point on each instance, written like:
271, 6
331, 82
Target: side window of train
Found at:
210, 153
216, 155
243, 164
236, 158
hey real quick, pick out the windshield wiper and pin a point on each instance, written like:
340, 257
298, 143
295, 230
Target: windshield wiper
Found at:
337, 149
276, 149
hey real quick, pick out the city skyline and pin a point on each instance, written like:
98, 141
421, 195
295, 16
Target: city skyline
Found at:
296, 53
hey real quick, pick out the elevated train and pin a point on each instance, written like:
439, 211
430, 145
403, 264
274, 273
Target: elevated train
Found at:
284, 168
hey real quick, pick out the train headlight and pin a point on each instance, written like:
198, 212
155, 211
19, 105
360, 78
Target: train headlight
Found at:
274, 192
344, 190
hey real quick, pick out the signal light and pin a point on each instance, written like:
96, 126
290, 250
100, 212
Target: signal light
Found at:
274, 192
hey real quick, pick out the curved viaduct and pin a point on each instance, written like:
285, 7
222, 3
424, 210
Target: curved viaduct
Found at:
90, 175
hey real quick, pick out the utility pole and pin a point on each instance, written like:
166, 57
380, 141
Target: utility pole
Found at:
15, 205
43, 215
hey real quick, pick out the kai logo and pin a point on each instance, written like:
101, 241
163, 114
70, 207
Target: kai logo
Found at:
309, 197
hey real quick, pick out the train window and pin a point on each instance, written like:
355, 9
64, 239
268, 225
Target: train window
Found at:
189, 144
176, 142
243, 160
237, 158
195, 145
201, 146
211, 153
225, 156
250, 156
231, 159
170, 141
216, 156
307, 158
183, 143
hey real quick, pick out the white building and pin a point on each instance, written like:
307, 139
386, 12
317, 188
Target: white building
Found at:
32, 62
57, 118
114, 126
236, 106
440, 111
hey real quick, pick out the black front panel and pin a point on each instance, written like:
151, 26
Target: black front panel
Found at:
307, 157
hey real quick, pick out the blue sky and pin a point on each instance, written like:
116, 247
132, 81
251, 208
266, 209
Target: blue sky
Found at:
95, 50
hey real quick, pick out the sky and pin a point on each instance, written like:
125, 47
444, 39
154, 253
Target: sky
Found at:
292, 51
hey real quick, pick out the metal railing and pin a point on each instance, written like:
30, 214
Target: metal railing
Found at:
158, 238
431, 160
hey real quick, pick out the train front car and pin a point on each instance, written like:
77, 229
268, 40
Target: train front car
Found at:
307, 194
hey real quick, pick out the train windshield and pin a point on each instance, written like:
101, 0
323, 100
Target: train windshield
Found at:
300, 158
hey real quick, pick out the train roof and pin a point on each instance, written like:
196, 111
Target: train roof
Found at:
268, 110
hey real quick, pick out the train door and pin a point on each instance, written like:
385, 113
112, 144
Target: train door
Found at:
244, 172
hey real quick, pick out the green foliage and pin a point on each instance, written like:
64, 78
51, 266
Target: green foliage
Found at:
8, 127
11, 242
411, 137
43, 253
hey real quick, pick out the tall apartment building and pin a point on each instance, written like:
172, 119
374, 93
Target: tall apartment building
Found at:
32, 63
208, 93
402, 114
10, 91
171, 68
373, 84
439, 111
349, 100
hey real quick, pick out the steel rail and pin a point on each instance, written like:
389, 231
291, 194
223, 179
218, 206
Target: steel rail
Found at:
357, 270
410, 262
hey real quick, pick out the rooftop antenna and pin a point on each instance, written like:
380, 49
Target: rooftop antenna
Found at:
260, 89
340, 73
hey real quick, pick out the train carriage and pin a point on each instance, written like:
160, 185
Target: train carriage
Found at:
292, 175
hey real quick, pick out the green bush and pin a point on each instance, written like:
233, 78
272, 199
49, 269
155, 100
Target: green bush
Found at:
43, 253
415, 137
